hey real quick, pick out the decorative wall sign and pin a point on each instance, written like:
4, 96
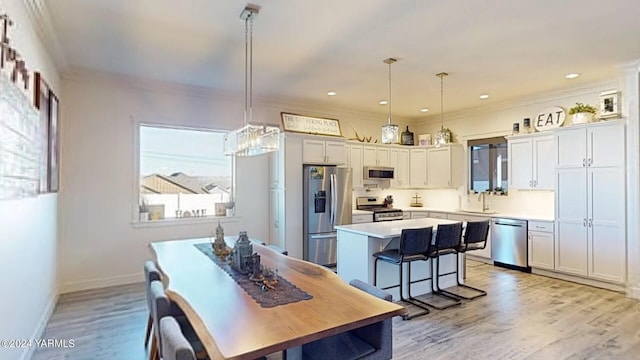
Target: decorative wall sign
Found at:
9, 55
20, 143
549, 118
310, 125
609, 104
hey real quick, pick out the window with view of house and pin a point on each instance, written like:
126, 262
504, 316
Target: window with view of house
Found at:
488, 164
183, 173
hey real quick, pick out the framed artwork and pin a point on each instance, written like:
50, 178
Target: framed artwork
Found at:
310, 125
609, 104
41, 93
53, 142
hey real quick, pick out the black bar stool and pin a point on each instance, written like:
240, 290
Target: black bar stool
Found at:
414, 245
475, 238
448, 238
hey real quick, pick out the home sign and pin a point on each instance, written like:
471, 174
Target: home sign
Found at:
549, 118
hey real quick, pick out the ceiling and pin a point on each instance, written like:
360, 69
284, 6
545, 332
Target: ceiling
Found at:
303, 49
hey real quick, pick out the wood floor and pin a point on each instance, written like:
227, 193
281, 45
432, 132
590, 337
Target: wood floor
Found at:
524, 316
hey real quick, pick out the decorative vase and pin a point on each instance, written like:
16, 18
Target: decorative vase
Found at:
581, 118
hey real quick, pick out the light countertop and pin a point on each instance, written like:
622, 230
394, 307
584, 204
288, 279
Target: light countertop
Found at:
390, 229
519, 216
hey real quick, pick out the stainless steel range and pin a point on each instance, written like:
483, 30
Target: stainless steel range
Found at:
377, 206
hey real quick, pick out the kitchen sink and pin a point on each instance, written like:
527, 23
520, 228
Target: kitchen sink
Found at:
486, 212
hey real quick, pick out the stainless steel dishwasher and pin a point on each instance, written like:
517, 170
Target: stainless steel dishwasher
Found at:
509, 243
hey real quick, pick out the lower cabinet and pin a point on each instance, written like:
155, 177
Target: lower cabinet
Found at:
540, 245
419, 214
437, 215
361, 218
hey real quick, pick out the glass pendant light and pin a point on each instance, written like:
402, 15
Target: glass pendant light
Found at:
251, 139
389, 131
443, 136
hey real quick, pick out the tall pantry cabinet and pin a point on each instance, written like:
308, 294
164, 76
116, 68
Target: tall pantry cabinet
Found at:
590, 201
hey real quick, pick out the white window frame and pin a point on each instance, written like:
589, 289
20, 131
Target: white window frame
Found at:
135, 190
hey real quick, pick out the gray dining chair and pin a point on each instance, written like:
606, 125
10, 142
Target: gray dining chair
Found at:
371, 342
175, 345
151, 273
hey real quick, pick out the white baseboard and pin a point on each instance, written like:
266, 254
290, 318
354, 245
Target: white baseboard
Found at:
100, 283
42, 324
580, 280
633, 292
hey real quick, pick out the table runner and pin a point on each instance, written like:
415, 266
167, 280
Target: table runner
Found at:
284, 293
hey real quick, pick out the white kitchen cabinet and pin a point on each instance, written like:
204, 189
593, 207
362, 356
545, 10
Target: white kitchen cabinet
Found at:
418, 168
276, 218
483, 253
591, 145
375, 155
541, 245
437, 215
354, 161
445, 166
318, 151
531, 163
419, 214
399, 160
361, 218
285, 208
590, 202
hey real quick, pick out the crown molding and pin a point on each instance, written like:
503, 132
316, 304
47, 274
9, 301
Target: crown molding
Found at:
40, 18
533, 99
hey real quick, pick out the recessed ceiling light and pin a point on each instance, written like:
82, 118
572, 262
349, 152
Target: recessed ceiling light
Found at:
572, 76
331, 93
383, 102
424, 110
484, 96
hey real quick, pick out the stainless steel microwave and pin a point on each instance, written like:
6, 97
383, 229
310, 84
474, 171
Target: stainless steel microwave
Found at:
378, 173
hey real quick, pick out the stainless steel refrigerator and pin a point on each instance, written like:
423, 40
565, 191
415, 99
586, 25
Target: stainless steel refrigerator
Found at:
327, 202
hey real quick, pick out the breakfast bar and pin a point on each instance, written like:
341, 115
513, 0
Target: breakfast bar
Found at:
358, 242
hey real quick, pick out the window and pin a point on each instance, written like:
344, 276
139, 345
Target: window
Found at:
488, 164
183, 173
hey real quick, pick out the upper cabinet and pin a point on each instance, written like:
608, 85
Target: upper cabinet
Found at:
375, 155
445, 166
530, 162
597, 144
399, 160
330, 152
418, 168
354, 161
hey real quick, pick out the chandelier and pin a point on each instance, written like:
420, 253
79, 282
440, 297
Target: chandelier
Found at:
389, 131
250, 139
443, 136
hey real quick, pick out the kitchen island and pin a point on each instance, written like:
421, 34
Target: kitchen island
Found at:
358, 242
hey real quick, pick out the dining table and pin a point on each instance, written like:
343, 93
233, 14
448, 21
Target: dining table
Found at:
231, 324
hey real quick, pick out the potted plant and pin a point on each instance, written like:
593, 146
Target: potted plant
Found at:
582, 113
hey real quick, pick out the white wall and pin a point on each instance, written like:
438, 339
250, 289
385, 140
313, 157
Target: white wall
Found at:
99, 245
27, 226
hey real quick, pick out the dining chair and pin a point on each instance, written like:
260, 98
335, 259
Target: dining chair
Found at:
175, 345
371, 342
151, 273
161, 308
413, 246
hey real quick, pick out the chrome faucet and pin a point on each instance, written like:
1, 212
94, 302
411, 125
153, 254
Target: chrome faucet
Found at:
483, 197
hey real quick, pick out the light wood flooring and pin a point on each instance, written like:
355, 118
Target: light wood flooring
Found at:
524, 316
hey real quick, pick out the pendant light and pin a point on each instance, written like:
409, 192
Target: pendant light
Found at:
251, 139
389, 131
442, 137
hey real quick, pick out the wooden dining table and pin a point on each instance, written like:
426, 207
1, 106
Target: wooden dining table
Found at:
232, 325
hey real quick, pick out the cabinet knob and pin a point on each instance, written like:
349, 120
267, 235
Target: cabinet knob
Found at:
535, 183
584, 222
530, 183
589, 162
590, 222
584, 162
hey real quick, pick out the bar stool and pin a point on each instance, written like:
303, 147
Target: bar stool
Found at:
475, 238
414, 244
448, 238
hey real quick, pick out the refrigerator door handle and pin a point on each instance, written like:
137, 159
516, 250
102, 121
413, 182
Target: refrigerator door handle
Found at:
334, 198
